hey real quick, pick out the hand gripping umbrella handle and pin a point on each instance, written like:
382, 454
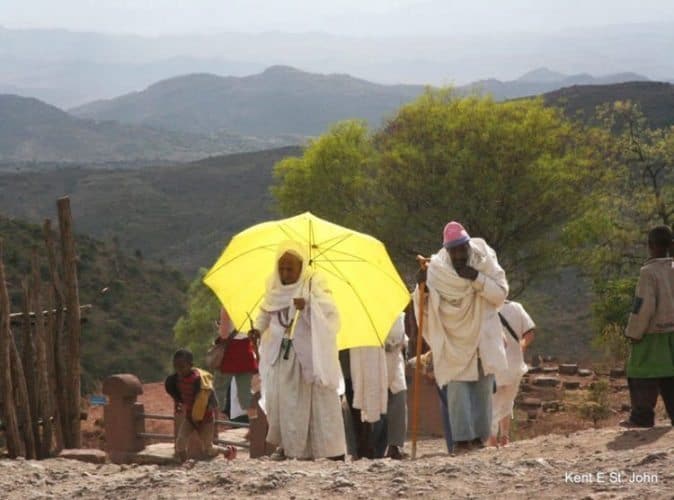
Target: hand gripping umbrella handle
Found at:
291, 335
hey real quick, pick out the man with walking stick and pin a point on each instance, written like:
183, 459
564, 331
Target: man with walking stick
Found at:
462, 291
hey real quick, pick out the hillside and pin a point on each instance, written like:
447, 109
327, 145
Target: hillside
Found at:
31, 130
655, 98
281, 101
182, 214
129, 328
286, 102
541, 81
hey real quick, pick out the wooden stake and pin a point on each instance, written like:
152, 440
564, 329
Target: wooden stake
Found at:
15, 444
44, 408
51, 369
71, 292
28, 361
59, 338
417, 368
23, 410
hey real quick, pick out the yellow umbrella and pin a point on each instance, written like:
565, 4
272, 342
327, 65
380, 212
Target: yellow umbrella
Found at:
367, 288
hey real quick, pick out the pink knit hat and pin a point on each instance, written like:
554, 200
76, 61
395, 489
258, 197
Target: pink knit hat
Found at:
454, 235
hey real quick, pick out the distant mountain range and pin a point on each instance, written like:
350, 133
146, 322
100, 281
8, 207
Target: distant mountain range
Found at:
68, 69
279, 101
285, 100
194, 116
31, 130
543, 80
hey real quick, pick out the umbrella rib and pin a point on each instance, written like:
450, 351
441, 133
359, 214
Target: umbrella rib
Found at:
311, 240
257, 302
394, 279
285, 228
360, 300
344, 238
238, 256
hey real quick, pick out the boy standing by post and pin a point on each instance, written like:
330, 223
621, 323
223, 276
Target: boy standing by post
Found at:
650, 368
194, 398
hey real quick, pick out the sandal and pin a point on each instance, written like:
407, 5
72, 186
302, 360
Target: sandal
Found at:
278, 455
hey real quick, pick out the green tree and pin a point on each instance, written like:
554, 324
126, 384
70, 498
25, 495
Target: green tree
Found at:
195, 330
330, 179
513, 173
609, 240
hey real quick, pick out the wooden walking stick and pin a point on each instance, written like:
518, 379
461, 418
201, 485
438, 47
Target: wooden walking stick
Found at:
423, 264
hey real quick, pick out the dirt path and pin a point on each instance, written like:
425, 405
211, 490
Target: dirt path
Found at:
588, 464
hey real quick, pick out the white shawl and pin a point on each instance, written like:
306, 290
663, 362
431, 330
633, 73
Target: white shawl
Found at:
462, 315
320, 315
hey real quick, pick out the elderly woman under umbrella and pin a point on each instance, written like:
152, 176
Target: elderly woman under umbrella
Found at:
299, 363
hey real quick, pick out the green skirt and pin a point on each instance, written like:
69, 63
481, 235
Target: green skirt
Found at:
653, 357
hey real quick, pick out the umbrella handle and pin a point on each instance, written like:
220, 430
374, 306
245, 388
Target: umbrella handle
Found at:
291, 333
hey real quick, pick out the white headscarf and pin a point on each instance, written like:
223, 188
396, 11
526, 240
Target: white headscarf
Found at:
279, 296
321, 313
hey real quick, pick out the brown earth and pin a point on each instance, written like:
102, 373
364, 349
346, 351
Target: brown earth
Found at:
556, 454
591, 464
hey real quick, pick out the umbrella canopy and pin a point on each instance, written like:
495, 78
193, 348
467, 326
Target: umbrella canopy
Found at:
367, 288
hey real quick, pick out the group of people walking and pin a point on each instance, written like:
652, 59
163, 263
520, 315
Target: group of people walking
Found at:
321, 403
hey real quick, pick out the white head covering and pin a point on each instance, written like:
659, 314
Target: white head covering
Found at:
279, 296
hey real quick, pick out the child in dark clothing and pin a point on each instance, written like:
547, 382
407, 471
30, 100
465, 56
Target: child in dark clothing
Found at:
650, 368
194, 398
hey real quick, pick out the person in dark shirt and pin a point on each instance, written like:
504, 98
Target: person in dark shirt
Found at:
192, 392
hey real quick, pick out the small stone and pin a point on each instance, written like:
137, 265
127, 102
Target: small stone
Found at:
584, 372
653, 457
535, 369
568, 369
92, 455
571, 384
530, 403
551, 406
550, 369
617, 373
546, 381
532, 414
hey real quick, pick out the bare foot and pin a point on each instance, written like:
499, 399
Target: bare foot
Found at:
229, 452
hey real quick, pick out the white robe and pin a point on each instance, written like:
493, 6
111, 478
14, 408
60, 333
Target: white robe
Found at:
370, 382
461, 317
300, 394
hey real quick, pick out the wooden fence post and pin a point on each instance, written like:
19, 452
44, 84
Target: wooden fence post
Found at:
51, 369
15, 444
44, 407
59, 339
28, 360
69, 257
23, 409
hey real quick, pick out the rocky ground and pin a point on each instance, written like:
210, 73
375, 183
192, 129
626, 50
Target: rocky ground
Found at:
592, 464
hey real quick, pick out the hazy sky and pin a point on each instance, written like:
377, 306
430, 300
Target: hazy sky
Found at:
360, 17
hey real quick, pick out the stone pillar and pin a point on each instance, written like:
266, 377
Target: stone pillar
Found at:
122, 418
